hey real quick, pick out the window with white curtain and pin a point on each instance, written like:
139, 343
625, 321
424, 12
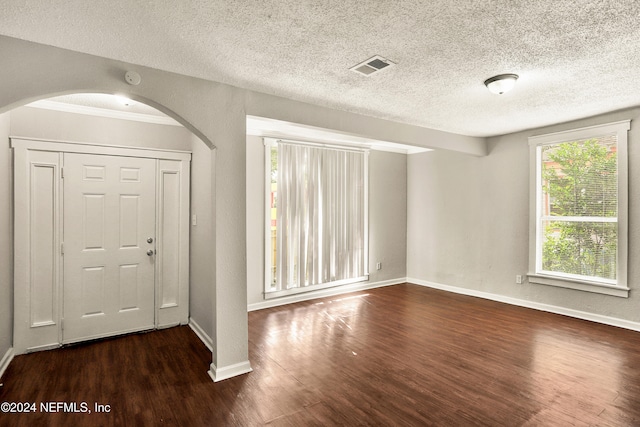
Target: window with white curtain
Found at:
316, 216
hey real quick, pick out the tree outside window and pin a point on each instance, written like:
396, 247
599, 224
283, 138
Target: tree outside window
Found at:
580, 207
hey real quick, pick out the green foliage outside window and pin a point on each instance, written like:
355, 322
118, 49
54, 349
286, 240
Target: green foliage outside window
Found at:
580, 180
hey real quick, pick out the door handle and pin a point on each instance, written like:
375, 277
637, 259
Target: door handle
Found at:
150, 252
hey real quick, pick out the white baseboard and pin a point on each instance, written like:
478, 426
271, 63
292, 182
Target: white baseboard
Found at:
329, 292
225, 372
598, 318
222, 373
6, 360
204, 337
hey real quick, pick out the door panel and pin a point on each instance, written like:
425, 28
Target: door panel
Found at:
109, 213
173, 243
43, 221
36, 250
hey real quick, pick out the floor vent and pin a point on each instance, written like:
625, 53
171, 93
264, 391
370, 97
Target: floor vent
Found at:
372, 65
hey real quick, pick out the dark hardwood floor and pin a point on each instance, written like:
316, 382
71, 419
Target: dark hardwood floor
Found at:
400, 355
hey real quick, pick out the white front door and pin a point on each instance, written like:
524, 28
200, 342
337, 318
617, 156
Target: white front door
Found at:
109, 238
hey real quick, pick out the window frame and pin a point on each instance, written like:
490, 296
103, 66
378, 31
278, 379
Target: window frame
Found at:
269, 143
620, 288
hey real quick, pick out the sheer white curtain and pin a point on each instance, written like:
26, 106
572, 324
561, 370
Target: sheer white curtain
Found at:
321, 216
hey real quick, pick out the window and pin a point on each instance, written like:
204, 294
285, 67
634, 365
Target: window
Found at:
316, 217
579, 209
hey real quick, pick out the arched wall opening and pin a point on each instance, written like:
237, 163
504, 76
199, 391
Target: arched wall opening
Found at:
68, 97
34, 71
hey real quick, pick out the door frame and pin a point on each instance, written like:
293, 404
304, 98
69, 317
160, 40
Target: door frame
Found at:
46, 332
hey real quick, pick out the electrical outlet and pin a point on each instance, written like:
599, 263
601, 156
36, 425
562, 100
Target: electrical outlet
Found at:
379, 266
519, 279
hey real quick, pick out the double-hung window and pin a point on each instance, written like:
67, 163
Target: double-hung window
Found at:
578, 236
316, 216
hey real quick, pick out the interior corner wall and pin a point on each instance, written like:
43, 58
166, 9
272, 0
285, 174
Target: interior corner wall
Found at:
201, 242
468, 222
6, 240
387, 217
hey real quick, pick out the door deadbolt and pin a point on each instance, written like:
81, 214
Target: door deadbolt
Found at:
150, 240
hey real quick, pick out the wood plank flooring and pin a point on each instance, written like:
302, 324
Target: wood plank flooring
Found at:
401, 355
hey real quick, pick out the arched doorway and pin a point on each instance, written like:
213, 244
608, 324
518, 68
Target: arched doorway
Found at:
78, 132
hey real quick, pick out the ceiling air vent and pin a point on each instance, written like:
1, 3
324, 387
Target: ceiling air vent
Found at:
372, 65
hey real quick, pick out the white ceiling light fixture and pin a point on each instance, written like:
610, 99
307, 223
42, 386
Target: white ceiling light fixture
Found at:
501, 83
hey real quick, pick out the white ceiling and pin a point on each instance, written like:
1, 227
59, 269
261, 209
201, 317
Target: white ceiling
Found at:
575, 58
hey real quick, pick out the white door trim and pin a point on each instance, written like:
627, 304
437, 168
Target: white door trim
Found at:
30, 336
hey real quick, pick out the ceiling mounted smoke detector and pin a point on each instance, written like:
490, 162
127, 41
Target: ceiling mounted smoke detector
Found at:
372, 65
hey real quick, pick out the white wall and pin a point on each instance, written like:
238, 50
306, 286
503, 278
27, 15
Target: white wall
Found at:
202, 241
6, 239
255, 219
387, 217
468, 220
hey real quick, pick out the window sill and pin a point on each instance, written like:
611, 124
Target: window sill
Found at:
598, 288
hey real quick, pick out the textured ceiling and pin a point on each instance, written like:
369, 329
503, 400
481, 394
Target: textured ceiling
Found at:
575, 58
